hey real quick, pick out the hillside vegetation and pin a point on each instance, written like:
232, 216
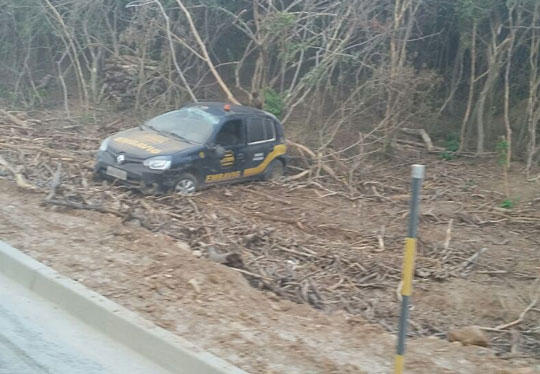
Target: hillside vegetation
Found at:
341, 73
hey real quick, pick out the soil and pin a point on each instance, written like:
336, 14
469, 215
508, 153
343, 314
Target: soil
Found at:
331, 305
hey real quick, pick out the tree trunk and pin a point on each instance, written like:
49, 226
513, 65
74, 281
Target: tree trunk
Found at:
507, 124
463, 134
534, 83
494, 52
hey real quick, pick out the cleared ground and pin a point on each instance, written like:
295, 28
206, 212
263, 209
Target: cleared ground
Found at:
314, 262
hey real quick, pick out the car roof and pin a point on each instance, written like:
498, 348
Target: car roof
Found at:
217, 109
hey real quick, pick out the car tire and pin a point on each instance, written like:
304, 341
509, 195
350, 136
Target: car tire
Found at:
274, 171
96, 177
186, 184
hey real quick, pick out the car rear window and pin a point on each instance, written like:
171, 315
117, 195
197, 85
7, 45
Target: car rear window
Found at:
260, 130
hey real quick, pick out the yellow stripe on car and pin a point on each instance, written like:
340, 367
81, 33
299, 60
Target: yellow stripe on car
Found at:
279, 150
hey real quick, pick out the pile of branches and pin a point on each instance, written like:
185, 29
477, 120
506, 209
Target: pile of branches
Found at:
261, 231
298, 258
126, 76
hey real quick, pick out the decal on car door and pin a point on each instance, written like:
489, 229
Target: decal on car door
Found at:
227, 160
278, 150
222, 176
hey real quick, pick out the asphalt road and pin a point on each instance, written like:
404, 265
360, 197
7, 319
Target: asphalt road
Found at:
38, 338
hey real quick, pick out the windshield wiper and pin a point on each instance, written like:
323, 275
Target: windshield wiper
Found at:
175, 135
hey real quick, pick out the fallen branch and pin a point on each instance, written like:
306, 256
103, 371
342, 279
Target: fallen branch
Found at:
292, 221
448, 234
19, 178
97, 208
522, 315
470, 261
297, 176
266, 196
55, 183
13, 119
418, 144
425, 137
312, 154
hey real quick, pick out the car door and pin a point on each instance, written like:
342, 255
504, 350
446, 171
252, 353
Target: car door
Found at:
228, 162
261, 139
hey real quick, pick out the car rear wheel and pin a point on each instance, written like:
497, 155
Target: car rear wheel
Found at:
186, 184
274, 171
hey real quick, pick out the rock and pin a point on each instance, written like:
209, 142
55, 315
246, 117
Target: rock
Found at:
471, 335
230, 259
195, 285
183, 245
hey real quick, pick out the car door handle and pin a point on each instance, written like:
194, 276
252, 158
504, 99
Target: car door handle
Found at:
240, 156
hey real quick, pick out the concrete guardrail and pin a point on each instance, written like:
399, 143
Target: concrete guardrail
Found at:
158, 345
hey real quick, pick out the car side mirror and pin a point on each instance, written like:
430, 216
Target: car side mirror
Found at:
220, 151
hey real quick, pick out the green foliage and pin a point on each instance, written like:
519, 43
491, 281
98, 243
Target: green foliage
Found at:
447, 156
508, 204
273, 102
451, 146
5, 92
475, 10
452, 142
280, 21
502, 151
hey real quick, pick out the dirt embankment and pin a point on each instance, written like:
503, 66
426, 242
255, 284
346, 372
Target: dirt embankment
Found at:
317, 262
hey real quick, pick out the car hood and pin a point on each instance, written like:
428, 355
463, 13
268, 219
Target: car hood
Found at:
141, 143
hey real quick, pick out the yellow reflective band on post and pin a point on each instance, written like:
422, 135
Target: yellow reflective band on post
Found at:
399, 364
408, 266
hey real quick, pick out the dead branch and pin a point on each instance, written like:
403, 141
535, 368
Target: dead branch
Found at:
425, 137
314, 157
448, 234
471, 260
207, 58
300, 175
291, 221
531, 305
55, 183
266, 196
73, 205
13, 119
19, 178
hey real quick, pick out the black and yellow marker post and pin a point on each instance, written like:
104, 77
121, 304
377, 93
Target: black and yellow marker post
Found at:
408, 265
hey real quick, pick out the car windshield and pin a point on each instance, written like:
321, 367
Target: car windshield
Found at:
190, 124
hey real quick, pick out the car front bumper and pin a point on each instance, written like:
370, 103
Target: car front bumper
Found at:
137, 175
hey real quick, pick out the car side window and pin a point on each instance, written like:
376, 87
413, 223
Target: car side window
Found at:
269, 129
231, 134
260, 130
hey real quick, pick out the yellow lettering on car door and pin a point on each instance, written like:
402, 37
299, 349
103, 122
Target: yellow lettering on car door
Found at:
221, 177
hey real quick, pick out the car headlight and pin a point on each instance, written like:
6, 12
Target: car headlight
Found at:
104, 144
158, 163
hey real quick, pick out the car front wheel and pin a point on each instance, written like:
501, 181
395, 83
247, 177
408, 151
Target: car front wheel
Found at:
186, 184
